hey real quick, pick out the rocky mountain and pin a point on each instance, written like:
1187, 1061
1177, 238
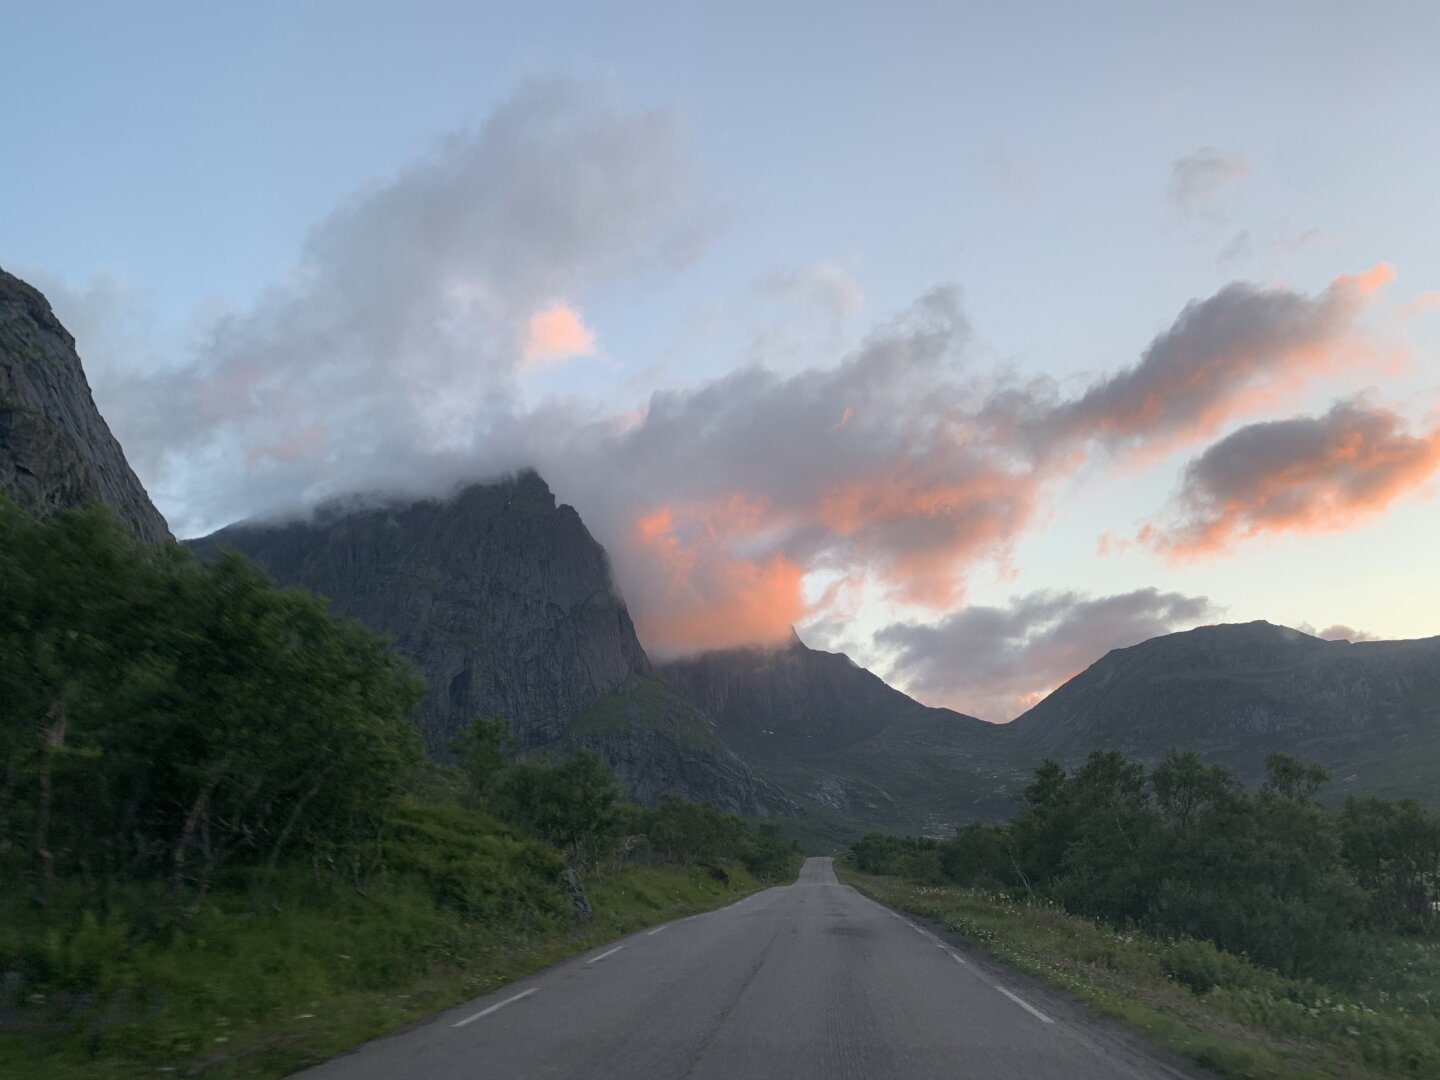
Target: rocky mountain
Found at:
1369, 711
839, 740
505, 604
56, 450
791, 699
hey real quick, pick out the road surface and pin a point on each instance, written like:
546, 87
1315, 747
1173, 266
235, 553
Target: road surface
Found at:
811, 981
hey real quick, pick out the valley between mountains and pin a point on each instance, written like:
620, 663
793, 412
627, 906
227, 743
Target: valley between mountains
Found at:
275, 791
505, 604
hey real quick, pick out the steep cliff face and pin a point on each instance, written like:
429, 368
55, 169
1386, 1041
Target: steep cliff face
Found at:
56, 450
504, 602
501, 598
1237, 692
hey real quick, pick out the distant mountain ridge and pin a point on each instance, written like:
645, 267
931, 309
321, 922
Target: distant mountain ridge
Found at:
791, 698
836, 737
1235, 692
56, 451
505, 603
841, 741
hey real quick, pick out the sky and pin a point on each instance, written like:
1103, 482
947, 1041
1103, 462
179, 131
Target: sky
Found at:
971, 340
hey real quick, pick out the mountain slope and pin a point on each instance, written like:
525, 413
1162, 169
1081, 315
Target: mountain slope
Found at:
1367, 710
837, 738
504, 602
793, 699
56, 450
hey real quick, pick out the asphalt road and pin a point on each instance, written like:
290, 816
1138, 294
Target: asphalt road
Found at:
811, 980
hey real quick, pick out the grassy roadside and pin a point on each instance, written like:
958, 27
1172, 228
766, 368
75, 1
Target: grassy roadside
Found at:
1213, 1008
245, 994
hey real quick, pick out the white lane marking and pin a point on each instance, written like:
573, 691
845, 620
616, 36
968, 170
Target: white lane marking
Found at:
493, 1008
608, 952
657, 929
1031, 1009
958, 959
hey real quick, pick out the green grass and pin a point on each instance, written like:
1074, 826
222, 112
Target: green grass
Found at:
652, 705
463, 906
1214, 1008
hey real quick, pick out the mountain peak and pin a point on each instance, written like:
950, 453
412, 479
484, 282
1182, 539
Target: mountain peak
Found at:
56, 451
1220, 688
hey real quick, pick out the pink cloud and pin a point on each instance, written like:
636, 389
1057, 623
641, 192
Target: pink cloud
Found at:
556, 333
1305, 474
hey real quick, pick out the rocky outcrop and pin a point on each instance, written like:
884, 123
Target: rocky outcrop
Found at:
501, 598
505, 604
56, 450
1237, 692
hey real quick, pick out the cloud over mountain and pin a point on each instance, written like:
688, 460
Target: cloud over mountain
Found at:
390, 359
414, 305
1338, 632
996, 662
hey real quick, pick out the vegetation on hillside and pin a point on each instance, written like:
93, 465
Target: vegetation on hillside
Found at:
221, 850
1181, 900
162, 717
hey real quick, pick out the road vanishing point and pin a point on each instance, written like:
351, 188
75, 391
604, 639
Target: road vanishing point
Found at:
809, 981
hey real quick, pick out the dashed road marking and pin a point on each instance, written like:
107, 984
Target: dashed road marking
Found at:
603, 955
1031, 1009
657, 929
959, 959
493, 1008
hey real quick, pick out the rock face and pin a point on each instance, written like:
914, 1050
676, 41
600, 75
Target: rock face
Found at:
56, 450
792, 699
1237, 692
504, 603
839, 740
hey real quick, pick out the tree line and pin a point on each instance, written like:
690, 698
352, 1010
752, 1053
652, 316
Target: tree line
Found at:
160, 716
1185, 849
163, 719
574, 801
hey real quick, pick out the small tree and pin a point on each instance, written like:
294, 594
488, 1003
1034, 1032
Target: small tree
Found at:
1290, 778
573, 802
483, 750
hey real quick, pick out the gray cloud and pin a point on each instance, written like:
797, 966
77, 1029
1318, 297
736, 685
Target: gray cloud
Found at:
864, 468
1244, 339
996, 662
401, 326
1238, 249
1198, 178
